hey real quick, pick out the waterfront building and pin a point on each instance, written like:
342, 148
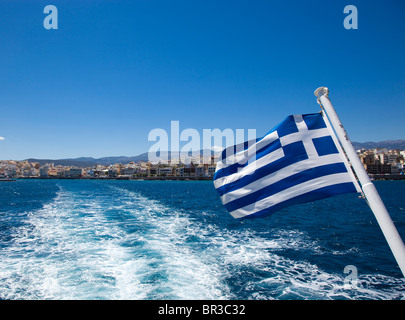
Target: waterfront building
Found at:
378, 168
392, 158
211, 170
43, 171
165, 171
74, 173
180, 172
199, 171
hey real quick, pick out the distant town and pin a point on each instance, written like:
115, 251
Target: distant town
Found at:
184, 168
380, 163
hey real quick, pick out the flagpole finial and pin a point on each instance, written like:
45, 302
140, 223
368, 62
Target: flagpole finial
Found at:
321, 91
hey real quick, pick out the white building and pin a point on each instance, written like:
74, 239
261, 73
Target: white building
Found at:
180, 172
199, 171
164, 171
74, 173
211, 170
392, 158
43, 171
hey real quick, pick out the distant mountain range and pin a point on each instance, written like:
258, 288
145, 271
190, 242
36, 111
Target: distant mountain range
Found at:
83, 162
388, 144
89, 162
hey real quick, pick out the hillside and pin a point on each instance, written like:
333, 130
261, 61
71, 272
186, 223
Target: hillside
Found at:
83, 162
89, 162
389, 144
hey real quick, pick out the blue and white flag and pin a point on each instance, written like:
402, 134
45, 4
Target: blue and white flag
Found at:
298, 161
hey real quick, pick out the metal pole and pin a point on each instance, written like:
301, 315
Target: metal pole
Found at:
370, 192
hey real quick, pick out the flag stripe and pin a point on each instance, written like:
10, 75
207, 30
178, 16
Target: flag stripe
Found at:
251, 168
239, 154
292, 192
294, 152
317, 194
285, 172
233, 168
282, 184
298, 161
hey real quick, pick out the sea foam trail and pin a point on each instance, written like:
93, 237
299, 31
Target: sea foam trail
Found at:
219, 262
69, 250
108, 242
83, 247
182, 271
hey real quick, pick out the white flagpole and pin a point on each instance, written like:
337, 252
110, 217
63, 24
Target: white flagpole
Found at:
370, 192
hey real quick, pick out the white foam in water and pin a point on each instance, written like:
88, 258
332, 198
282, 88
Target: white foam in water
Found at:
185, 275
59, 255
69, 250
195, 274
73, 248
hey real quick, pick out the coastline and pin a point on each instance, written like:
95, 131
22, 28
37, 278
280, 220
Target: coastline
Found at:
387, 177
374, 177
123, 178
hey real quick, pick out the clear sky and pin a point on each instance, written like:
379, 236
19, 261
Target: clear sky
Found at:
115, 70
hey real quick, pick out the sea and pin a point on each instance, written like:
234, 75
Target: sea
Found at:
173, 240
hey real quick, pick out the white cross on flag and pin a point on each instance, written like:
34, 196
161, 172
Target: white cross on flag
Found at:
298, 161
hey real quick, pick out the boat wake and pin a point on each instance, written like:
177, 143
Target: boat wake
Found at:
114, 243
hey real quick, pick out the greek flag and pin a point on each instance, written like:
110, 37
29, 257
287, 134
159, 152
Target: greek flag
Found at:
298, 161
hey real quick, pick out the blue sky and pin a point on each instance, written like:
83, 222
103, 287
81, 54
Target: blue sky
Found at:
115, 70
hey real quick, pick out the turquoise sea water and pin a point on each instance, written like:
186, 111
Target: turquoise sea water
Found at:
91, 239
